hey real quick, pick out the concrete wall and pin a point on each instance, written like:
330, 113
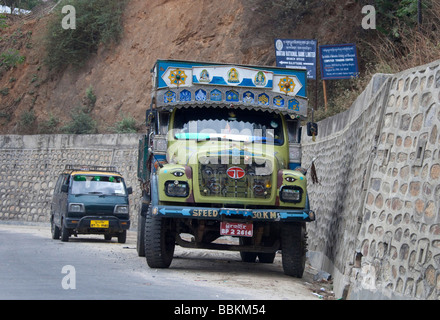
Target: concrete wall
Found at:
378, 200
30, 165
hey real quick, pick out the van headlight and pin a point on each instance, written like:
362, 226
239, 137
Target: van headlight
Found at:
121, 209
177, 189
291, 194
76, 207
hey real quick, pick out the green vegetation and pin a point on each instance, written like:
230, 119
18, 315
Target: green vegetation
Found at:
126, 125
11, 58
26, 123
97, 22
49, 126
90, 99
81, 123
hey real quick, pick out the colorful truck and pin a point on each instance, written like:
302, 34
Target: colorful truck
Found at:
221, 158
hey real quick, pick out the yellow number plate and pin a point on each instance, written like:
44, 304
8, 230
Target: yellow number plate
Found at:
99, 224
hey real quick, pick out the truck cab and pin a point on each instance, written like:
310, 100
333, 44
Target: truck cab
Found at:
222, 157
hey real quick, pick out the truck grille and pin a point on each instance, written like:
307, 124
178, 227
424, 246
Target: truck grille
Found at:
235, 181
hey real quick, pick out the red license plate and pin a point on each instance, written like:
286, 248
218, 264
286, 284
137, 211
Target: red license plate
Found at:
236, 229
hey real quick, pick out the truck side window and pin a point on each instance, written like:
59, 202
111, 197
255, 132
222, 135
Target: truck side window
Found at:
164, 118
292, 129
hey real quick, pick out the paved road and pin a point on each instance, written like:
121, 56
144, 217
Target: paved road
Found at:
31, 267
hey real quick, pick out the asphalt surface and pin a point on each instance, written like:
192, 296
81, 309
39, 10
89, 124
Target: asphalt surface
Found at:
35, 267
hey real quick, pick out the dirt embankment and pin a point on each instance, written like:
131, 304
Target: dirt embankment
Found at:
232, 31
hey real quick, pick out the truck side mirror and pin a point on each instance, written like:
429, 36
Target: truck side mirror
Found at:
65, 188
312, 129
129, 190
151, 116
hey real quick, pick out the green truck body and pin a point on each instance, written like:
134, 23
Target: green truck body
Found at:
222, 157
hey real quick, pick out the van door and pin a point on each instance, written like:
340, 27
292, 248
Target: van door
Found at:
63, 196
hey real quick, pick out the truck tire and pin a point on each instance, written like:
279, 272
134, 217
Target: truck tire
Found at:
293, 248
140, 241
159, 241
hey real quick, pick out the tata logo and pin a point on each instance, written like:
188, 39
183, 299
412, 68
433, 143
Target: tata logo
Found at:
235, 173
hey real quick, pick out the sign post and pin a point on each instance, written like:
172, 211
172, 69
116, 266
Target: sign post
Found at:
299, 54
338, 61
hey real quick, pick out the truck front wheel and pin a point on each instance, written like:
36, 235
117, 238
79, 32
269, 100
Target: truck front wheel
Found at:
294, 248
159, 242
140, 240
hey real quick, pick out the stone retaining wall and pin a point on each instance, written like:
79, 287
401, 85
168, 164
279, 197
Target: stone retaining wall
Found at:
378, 202
30, 165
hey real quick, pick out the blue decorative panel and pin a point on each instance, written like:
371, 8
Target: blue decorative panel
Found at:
232, 96
294, 105
248, 97
169, 97
278, 101
263, 99
185, 95
200, 95
216, 95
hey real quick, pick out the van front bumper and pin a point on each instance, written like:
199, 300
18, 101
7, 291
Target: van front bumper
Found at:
97, 224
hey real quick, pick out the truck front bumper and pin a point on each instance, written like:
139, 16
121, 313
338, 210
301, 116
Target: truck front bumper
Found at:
209, 213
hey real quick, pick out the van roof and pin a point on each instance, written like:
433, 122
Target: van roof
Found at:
91, 169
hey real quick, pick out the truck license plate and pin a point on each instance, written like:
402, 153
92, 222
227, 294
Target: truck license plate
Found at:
99, 224
236, 229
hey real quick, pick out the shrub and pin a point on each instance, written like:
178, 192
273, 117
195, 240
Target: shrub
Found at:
11, 58
26, 124
126, 125
49, 126
82, 123
97, 22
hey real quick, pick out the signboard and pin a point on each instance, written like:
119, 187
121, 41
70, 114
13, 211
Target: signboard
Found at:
338, 61
187, 83
297, 54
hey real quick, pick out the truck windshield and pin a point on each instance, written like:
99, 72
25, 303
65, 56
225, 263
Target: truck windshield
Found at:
97, 184
225, 124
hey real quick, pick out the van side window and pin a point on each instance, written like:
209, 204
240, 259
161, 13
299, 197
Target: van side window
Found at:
58, 184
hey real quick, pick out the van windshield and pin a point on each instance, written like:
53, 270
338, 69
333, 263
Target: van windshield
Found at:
228, 124
97, 184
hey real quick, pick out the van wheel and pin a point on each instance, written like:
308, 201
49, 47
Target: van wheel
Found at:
293, 248
122, 237
54, 230
160, 241
65, 234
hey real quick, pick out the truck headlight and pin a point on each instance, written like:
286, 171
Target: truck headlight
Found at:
177, 189
291, 194
76, 207
121, 209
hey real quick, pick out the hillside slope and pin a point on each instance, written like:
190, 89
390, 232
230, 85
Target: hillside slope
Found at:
234, 31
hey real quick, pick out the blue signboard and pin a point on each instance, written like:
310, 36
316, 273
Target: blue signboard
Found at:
297, 54
338, 61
